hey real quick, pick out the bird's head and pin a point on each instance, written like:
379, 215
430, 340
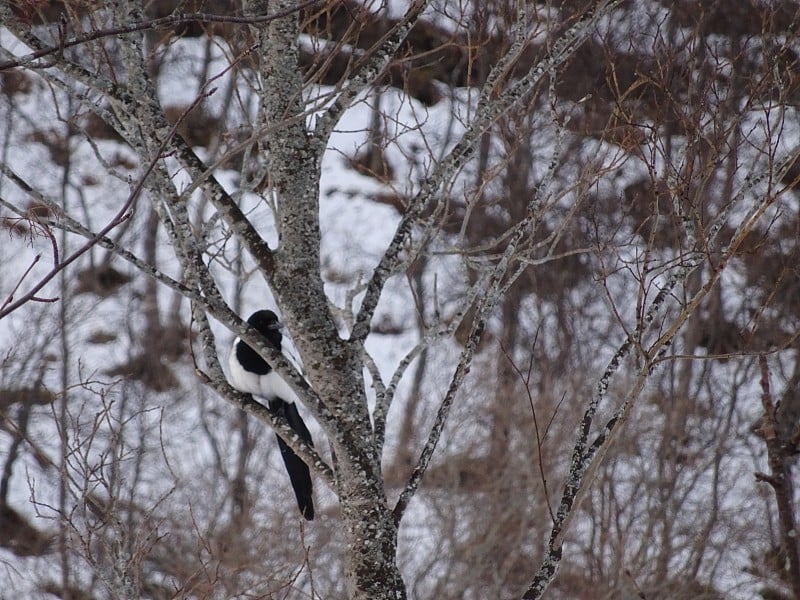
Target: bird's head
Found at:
267, 324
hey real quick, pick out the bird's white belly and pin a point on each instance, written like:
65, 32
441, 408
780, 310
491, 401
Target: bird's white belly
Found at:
267, 386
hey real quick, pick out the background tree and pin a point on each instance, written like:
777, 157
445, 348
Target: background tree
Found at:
484, 224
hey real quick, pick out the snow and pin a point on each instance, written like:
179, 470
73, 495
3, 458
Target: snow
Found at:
190, 429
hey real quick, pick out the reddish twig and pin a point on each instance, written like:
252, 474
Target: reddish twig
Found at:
121, 216
160, 23
19, 283
525, 378
780, 479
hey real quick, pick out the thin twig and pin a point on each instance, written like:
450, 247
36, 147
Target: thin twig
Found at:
161, 23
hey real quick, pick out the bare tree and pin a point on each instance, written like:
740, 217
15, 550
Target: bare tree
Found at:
567, 238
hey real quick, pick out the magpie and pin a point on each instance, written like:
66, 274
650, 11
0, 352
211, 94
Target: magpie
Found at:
253, 375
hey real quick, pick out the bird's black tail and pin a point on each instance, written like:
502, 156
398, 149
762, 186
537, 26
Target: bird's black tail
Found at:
298, 470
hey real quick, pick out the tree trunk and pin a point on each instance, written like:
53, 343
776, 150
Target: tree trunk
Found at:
333, 364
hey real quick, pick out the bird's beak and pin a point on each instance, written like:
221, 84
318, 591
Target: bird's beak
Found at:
276, 325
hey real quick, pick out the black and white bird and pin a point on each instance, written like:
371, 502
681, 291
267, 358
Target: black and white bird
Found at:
251, 374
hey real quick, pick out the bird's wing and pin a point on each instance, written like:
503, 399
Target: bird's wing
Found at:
297, 423
298, 471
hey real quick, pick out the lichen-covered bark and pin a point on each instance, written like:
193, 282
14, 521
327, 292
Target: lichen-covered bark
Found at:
295, 147
333, 364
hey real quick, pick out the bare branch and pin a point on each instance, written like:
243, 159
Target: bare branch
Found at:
486, 115
370, 68
156, 24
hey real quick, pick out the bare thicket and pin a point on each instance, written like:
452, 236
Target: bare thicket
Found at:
540, 261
